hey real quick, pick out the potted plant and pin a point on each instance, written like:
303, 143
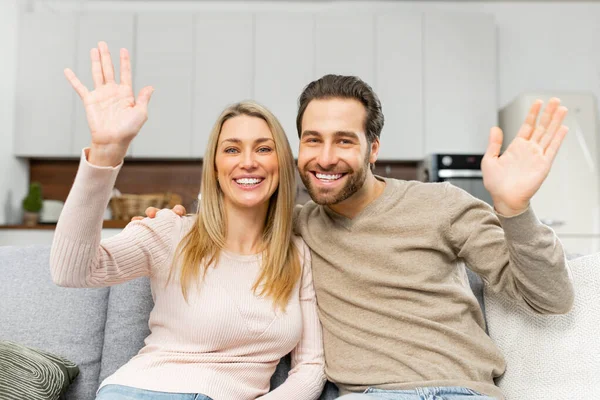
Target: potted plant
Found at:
32, 204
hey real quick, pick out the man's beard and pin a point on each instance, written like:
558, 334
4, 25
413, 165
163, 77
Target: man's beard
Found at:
355, 181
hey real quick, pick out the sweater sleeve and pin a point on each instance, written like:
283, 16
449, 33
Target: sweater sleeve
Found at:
516, 255
307, 377
79, 258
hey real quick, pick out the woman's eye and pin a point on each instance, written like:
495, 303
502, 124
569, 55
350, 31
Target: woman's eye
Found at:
231, 150
264, 150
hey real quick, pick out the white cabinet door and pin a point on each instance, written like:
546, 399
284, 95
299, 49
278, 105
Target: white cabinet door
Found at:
284, 65
117, 31
44, 100
399, 85
460, 82
165, 56
224, 60
345, 45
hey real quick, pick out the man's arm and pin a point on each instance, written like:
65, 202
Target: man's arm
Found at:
518, 255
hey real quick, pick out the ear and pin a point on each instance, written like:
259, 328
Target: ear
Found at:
374, 151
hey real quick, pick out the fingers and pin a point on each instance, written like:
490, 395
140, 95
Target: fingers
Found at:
557, 140
125, 63
555, 125
137, 218
97, 75
527, 127
495, 143
151, 212
549, 111
545, 120
106, 61
179, 210
144, 98
81, 90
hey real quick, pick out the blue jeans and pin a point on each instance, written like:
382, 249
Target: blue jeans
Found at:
118, 392
426, 393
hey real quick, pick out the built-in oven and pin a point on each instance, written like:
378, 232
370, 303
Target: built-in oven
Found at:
462, 170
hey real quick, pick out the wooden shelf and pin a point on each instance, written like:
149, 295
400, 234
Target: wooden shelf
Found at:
108, 224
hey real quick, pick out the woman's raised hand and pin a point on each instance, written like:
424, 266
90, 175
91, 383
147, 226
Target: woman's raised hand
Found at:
114, 116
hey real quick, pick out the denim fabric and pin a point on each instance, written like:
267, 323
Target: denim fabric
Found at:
427, 393
118, 392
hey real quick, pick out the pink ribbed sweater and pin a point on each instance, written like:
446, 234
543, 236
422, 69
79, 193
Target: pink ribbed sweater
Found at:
225, 342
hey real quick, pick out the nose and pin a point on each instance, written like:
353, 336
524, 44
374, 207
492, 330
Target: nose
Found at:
327, 157
248, 160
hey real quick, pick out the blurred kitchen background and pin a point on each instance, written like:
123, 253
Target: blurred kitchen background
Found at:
445, 71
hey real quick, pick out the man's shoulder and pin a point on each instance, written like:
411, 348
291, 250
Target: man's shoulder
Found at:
411, 188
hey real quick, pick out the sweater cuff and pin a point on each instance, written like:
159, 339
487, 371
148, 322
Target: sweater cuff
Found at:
521, 227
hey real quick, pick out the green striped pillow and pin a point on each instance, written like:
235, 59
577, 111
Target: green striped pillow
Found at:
27, 373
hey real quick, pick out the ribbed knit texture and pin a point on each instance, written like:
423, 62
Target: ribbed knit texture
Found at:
225, 342
396, 308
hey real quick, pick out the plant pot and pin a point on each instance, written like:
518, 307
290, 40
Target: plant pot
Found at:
30, 219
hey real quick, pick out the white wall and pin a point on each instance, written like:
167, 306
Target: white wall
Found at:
13, 172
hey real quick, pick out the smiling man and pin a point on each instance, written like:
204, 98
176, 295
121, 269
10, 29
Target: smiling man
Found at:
399, 319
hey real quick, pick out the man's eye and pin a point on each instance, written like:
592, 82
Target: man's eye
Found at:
311, 140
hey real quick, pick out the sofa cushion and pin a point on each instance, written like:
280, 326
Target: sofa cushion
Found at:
35, 312
551, 356
28, 373
129, 306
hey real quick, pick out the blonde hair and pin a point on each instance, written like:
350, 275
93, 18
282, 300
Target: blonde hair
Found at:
201, 246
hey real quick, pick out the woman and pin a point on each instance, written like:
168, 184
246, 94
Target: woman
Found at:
232, 287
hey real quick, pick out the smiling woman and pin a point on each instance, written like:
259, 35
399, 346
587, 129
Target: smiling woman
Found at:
232, 287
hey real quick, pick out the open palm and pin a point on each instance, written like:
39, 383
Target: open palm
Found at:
515, 176
114, 116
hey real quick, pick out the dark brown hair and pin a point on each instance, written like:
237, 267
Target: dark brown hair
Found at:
345, 87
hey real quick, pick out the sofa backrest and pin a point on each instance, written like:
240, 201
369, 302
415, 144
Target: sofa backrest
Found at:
35, 312
99, 329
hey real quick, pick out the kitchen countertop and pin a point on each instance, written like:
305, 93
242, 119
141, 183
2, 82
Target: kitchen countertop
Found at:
107, 224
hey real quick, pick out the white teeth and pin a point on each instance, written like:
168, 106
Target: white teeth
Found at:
248, 181
328, 177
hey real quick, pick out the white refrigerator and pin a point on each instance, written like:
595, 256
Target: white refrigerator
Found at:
569, 199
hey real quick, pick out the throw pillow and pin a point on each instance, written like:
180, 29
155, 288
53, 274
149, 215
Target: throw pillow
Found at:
551, 356
28, 373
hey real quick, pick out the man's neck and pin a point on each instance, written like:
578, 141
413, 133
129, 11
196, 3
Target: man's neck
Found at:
352, 206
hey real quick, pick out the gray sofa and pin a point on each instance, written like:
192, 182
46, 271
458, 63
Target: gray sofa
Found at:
98, 329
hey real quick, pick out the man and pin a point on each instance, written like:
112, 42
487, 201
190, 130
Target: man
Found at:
399, 319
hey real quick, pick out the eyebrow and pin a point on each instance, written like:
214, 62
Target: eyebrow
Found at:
337, 134
257, 141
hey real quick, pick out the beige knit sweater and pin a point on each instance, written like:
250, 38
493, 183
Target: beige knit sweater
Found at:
396, 309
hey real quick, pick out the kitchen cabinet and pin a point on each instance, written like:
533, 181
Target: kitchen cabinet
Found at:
165, 60
459, 82
223, 69
345, 45
117, 30
435, 74
399, 85
44, 99
284, 64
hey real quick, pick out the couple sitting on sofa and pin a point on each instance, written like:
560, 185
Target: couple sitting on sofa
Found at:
233, 283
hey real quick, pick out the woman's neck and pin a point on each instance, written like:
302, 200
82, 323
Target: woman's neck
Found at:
245, 228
